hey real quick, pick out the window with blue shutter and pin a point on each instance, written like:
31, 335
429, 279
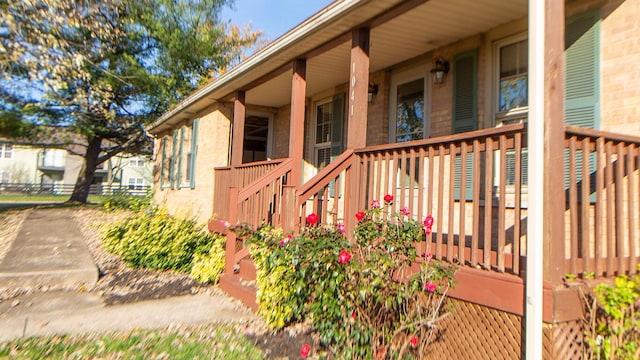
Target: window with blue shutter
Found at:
582, 78
465, 112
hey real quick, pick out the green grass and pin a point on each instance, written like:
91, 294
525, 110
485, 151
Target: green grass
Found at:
45, 198
205, 342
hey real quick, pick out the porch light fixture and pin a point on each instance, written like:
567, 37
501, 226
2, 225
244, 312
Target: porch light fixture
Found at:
373, 90
440, 70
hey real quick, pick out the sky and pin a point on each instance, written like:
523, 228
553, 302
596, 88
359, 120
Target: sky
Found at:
273, 17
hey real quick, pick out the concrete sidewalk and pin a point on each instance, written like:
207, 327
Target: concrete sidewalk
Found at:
69, 313
49, 251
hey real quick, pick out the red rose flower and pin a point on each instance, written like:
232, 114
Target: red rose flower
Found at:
306, 349
413, 341
360, 215
344, 257
388, 198
428, 221
313, 218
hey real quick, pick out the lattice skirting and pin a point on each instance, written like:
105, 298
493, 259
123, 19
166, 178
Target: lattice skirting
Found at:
477, 332
563, 341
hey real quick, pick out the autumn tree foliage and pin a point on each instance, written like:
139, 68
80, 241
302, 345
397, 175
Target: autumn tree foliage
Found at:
105, 68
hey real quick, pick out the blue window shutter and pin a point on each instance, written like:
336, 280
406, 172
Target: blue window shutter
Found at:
582, 79
337, 125
465, 92
172, 163
194, 149
180, 155
465, 111
582, 73
163, 145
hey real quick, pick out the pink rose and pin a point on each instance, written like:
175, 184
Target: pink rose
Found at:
428, 256
428, 221
313, 218
375, 204
388, 198
340, 227
430, 287
306, 349
360, 215
405, 211
344, 257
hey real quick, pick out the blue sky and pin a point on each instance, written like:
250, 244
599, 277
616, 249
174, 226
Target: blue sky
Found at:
273, 17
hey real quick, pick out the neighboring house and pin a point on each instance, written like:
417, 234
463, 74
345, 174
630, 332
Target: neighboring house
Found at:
430, 101
41, 168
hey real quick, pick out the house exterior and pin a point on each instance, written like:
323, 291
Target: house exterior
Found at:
27, 167
512, 123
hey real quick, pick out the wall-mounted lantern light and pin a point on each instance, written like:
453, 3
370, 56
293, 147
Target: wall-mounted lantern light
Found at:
373, 90
440, 70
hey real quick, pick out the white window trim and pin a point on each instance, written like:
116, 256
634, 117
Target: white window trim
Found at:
501, 118
405, 76
504, 117
322, 145
3, 150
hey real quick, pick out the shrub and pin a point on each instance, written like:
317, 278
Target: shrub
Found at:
208, 266
613, 319
156, 240
124, 201
375, 297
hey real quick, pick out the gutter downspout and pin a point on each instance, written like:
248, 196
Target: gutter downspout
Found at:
535, 137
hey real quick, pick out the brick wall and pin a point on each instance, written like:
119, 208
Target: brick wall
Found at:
213, 142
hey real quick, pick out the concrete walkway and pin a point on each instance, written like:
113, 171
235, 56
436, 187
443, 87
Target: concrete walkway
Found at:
49, 251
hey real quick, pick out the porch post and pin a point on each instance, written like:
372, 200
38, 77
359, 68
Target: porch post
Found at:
237, 144
296, 122
358, 89
545, 234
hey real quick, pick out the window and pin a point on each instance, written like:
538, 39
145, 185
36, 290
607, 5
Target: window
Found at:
512, 97
178, 150
324, 120
512, 80
6, 150
408, 120
5, 176
137, 162
136, 183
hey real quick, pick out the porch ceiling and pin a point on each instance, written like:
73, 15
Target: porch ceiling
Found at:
428, 26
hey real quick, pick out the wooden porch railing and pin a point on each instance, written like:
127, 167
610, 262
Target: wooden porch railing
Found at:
256, 203
238, 177
471, 183
603, 202
475, 186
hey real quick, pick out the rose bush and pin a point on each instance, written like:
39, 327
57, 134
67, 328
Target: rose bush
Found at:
373, 297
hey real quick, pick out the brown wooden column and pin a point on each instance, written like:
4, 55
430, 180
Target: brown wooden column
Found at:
237, 141
296, 122
553, 208
358, 90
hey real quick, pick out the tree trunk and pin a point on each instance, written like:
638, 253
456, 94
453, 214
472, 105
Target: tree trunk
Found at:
87, 171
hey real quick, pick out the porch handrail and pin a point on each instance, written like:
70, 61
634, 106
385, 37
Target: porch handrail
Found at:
324, 177
611, 136
271, 176
602, 194
466, 136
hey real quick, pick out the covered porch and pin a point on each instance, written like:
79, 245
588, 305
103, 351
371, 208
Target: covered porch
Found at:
351, 113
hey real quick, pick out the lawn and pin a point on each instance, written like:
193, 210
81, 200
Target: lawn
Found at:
19, 198
204, 342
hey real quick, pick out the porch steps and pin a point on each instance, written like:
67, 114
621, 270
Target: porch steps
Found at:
247, 270
245, 291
